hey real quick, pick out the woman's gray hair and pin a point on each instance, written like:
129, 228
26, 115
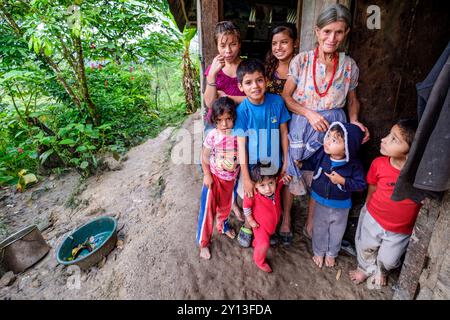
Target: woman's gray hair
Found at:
333, 13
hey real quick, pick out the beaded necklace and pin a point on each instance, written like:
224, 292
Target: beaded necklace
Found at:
335, 62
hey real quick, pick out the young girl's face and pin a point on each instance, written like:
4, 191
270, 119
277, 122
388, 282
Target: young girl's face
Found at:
228, 46
333, 144
283, 46
266, 187
224, 122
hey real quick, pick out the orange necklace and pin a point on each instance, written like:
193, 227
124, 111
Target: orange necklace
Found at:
335, 62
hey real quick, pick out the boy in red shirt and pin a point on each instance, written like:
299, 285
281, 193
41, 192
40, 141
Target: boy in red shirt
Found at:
385, 226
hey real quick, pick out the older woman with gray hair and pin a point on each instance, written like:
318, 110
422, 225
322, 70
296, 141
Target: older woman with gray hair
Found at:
320, 83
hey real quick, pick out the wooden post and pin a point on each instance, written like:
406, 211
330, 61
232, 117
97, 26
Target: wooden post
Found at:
416, 254
299, 19
200, 51
209, 18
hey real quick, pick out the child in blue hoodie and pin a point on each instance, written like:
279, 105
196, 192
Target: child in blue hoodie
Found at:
337, 173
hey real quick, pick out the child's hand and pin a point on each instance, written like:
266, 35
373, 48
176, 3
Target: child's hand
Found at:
217, 64
298, 163
252, 222
336, 178
208, 180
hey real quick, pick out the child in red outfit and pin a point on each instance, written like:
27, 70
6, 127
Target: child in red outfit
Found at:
263, 212
385, 226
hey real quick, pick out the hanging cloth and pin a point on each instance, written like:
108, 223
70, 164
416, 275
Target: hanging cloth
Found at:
427, 171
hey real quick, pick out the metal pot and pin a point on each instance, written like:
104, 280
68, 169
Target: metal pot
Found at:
23, 249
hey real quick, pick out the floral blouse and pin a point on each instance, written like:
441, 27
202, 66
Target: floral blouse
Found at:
276, 85
345, 79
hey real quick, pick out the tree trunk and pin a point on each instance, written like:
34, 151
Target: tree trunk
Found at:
189, 78
81, 75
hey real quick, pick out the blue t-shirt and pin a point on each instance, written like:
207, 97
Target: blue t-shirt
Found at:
261, 125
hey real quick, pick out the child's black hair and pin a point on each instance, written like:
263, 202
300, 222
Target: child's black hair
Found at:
222, 105
339, 131
271, 61
248, 67
255, 173
408, 128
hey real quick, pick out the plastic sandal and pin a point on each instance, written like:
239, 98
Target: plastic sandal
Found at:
245, 237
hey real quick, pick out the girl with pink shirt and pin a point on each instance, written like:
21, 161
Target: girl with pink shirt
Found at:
220, 168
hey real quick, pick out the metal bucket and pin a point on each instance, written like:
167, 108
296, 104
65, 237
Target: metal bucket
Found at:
23, 249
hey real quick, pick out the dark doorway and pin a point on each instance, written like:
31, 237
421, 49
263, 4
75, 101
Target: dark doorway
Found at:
255, 20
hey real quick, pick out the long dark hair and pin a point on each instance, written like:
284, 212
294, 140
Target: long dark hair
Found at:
271, 60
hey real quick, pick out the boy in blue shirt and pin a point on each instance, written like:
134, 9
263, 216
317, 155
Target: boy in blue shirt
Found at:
260, 126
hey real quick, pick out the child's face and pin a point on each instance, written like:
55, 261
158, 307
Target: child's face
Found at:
228, 46
394, 145
282, 46
333, 144
266, 187
254, 87
224, 122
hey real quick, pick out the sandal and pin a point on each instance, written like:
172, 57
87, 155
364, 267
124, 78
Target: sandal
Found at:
274, 239
286, 237
245, 237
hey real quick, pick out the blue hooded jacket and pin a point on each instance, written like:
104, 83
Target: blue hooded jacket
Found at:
352, 170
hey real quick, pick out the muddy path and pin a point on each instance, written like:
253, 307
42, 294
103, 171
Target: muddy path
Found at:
156, 203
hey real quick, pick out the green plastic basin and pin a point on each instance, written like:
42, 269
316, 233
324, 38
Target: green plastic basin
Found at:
104, 231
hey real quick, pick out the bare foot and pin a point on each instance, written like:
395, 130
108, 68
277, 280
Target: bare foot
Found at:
265, 267
357, 276
380, 279
330, 262
318, 261
204, 253
230, 234
284, 229
237, 212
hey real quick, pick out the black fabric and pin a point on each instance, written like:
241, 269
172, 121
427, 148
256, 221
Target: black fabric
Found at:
424, 88
427, 170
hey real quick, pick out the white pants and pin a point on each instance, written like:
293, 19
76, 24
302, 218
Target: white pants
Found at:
378, 250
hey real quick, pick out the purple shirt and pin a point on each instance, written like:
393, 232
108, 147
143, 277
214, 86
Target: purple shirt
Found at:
226, 83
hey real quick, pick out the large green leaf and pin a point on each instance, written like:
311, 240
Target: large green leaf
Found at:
67, 141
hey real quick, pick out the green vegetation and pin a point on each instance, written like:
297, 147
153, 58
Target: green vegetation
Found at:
79, 78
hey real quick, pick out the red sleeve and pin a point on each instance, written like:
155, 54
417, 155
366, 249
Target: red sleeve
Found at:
248, 202
372, 176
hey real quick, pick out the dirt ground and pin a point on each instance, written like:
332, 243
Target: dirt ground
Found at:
156, 204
